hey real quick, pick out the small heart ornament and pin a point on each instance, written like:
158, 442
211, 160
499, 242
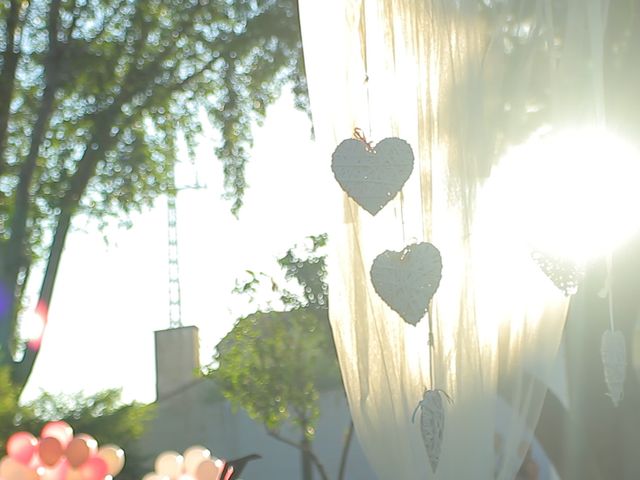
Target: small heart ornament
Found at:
407, 280
431, 425
565, 274
614, 360
372, 176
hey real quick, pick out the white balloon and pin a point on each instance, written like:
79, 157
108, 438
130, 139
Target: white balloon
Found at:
153, 476
169, 464
194, 456
11, 469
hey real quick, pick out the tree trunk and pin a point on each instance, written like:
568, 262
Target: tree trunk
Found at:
23, 368
7, 303
15, 251
8, 74
345, 452
305, 457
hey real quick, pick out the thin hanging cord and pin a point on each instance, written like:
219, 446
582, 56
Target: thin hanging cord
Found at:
610, 288
404, 239
363, 53
432, 370
597, 13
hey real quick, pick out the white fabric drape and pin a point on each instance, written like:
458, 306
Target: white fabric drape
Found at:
432, 73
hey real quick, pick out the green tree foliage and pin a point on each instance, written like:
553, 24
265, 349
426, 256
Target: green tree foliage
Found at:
269, 364
308, 267
95, 96
274, 363
10, 411
103, 416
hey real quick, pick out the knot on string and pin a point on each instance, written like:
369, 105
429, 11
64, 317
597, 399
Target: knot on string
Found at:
358, 134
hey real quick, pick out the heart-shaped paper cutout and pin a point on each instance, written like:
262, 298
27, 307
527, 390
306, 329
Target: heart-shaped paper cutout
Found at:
372, 178
407, 280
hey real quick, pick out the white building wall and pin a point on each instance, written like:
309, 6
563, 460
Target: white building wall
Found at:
191, 413
192, 417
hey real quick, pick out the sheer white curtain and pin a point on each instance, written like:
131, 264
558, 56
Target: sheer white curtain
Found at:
432, 72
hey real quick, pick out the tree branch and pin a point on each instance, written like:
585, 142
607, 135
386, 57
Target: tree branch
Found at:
78, 184
345, 452
23, 368
8, 74
15, 252
321, 470
108, 18
275, 434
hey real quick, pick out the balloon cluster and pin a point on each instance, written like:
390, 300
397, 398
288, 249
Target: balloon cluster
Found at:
196, 463
59, 455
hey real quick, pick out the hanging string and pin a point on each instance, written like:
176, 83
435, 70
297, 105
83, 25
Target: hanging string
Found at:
597, 14
431, 342
610, 289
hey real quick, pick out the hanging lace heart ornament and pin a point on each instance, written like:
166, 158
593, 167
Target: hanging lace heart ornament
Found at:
431, 424
372, 176
614, 360
565, 274
407, 280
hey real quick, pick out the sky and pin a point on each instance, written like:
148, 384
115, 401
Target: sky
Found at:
112, 289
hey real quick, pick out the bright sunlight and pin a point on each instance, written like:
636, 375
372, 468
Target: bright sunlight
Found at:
571, 194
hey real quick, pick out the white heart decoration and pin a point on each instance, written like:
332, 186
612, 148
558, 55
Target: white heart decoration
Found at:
407, 280
614, 359
431, 424
372, 177
565, 274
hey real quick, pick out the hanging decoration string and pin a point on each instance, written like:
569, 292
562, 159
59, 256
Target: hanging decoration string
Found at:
613, 346
358, 134
432, 354
610, 289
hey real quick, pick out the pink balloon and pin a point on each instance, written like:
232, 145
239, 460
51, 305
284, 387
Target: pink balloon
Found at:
91, 442
74, 474
77, 452
227, 476
94, 469
36, 461
50, 450
57, 472
59, 430
209, 470
21, 446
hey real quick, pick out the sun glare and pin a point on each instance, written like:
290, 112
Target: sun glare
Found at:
32, 326
573, 195
570, 197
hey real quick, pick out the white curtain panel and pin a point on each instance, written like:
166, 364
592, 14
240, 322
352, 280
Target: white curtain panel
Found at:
440, 74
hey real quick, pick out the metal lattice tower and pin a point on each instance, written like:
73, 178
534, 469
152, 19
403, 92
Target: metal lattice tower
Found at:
175, 309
